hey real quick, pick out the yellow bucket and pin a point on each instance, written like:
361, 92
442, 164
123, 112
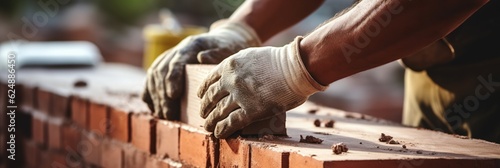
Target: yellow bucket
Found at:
158, 39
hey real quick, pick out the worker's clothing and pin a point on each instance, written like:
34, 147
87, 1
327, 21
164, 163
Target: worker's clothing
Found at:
461, 96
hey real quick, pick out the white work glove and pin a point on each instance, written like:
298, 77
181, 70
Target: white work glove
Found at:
165, 77
254, 84
437, 53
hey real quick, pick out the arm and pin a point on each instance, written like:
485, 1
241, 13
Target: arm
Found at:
253, 22
258, 83
376, 32
269, 17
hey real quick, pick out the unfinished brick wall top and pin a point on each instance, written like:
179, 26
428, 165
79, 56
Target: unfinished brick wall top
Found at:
106, 119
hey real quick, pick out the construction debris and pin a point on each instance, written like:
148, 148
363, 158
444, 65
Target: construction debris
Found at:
267, 137
310, 139
339, 148
384, 138
392, 141
329, 124
312, 111
387, 139
317, 123
80, 84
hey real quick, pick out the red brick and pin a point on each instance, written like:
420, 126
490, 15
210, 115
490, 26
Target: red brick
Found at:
72, 138
196, 147
57, 159
43, 101
45, 158
3, 146
119, 125
91, 148
300, 161
169, 163
153, 162
98, 118
3, 109
158, 162
167, 139
73, 159
113, 154
60, 105
265, 157
27, 96
143, 133
60, 159
134, 158
3, 96
39, 128
31, 154
54, 132
23, 123
234, 153
80, 111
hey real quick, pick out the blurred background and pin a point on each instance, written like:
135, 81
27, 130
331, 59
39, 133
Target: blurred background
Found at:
117, 28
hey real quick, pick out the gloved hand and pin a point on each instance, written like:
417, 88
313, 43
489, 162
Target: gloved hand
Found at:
254, 84
165, 77
436, 53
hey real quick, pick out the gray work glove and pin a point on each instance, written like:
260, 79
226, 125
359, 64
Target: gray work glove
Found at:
165, 77
436, 53
252, 85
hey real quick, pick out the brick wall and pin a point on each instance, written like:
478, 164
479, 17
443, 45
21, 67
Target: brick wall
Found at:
64, 125
95, 118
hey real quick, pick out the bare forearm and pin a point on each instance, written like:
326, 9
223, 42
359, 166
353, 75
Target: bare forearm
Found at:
376, 32
269, 17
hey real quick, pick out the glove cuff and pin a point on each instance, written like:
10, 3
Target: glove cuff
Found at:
240, 28
296, 74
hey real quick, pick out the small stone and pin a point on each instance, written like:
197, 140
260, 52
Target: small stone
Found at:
329, 124
419, 152
360, 142
267, 137
384, 138
317, 123
310, 139
312, 111
392, 141
404, 146
349, 116
339, 148
80, 84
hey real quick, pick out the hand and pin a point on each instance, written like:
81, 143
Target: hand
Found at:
165, 77
254, 84
436, 53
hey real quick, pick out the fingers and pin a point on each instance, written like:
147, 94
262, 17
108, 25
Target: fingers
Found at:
212, 96
149, 94
155, 90
224, 107
146, 96
213, 77
174, 85
214, 56
155, 86
175, 75
234, 122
